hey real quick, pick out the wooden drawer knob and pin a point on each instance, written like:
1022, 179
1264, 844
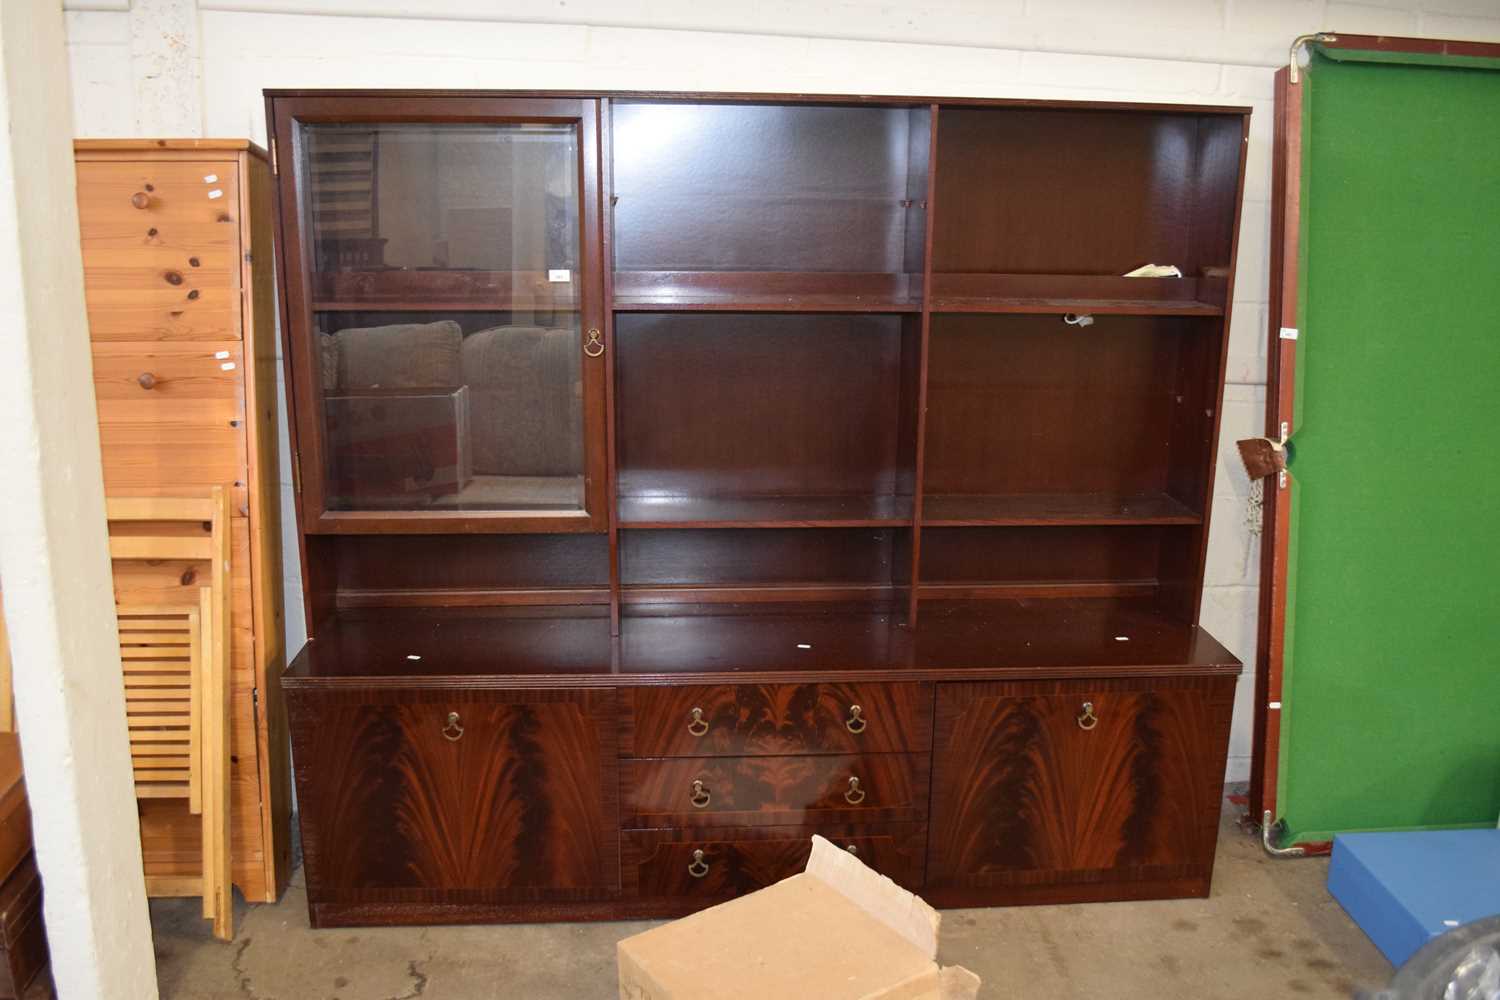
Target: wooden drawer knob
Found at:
173, 277
146, 380
141, 199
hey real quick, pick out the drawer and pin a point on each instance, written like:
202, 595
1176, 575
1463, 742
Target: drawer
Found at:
773, 790
156, 382
753, 719
161, 249
719, 863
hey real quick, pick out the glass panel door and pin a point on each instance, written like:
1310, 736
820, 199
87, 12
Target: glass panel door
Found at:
447, 273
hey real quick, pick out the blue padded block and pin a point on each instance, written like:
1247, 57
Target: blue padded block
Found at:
1404, 889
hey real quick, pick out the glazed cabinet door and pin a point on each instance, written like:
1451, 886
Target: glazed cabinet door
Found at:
444, 296
456, 796
1064, 783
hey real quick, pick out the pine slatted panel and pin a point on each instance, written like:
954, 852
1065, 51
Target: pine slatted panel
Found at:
160, 649
154, 531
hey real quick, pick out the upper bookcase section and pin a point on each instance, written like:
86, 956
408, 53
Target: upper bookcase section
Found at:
1046, 209
769, 206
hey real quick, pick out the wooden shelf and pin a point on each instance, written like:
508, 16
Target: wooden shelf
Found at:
1077, 293
400, 290
765, 512
766, 291
1043, 637
1055, 509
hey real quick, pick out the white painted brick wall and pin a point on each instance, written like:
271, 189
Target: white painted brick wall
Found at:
1191, 51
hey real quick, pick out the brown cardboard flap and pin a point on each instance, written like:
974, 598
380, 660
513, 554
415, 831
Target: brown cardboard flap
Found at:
902, 911
837, 931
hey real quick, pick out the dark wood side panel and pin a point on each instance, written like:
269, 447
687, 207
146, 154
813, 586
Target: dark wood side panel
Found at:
516, 798
1024, 794
659, 863
775, 719
773, 791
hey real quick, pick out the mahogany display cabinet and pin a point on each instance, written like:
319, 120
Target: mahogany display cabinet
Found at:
682, 475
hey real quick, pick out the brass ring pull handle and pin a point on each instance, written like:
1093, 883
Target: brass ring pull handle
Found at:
140, 199
856, 721
594, 346
453, 731
700, 797
697, 725
854, 795
146, 380
1087, 719
697, 867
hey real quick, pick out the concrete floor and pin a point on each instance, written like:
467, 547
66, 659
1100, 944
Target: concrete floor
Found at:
1269, 930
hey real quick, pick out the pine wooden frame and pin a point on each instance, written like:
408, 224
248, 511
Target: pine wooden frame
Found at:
213, 619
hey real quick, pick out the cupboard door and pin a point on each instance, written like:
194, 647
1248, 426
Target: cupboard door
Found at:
457, 796
1077, 781
445, 299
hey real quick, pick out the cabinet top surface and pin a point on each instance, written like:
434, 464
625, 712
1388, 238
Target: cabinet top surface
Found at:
174, 145
1005, 639
741, 97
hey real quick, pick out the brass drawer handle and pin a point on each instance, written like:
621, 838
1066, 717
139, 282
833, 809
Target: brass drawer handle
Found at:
146, 380
700, 797
851, 848
697, 867
1087, 719
453, 731
854, 795
594, 346
697, 725
856, 721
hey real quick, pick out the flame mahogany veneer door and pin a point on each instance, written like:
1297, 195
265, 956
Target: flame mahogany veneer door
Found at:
512, 801
1036, 797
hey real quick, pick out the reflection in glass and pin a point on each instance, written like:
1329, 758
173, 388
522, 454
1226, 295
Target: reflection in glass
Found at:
445, 294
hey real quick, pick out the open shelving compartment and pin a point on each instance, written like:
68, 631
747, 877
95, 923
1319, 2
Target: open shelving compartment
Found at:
845, 372
764, 457
1071, 412
777, 206
767, 281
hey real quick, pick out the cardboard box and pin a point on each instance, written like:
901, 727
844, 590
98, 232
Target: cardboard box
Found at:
837, 931
397, 448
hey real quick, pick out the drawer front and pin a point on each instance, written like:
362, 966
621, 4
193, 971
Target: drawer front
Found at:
170, 415
161, 249
719, 863
777, 790
753, 719
454, 795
